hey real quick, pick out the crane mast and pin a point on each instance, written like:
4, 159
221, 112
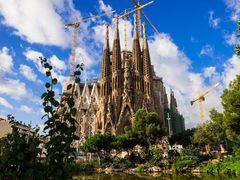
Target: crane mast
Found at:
75, 26
200, 98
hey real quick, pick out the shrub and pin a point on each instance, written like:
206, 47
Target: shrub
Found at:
142, 168
182, 162
121, 163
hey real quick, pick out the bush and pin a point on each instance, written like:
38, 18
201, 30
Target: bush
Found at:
182, 162
121, 163
225, 167
142, 168
156, 155
84, 166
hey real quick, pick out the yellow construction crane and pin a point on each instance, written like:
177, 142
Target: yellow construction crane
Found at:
125, 16
200, 100
75, 25
140, 11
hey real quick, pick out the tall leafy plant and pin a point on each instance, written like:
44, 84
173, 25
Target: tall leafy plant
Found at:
60, 124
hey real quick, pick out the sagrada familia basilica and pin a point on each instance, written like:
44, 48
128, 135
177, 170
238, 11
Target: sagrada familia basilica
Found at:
128, 82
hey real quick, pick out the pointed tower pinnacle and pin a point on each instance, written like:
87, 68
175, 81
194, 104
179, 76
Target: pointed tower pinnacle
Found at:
106, 43
146, 55
135, 27
116, 35
136, 59
145, 43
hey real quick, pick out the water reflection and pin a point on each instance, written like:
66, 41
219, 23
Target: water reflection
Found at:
123, 176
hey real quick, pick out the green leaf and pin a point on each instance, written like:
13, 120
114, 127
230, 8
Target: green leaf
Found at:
55, 103
43, 95
46, 65
77, 80
48, 109
73, 111
47, 85
77, 73
54, 81
48, 73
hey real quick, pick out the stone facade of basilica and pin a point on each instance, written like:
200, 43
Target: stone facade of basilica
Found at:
128, 82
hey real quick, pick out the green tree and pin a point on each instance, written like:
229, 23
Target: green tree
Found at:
209, 133
98, 143
60, 124
124, 142
146, 127
19, 155
231, 112
184, 138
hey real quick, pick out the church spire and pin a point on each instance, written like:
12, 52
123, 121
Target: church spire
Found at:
106, 55
106, 43
116, 35
146, 55
135, 27
116, 57
136, 58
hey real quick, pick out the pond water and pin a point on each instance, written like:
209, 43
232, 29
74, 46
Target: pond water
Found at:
123, 176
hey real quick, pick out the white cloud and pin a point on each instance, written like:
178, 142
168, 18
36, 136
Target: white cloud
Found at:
39, 21
13, 88
213, 22
232, 67
57, 63
28, 73
33, 56
6, 61
5, 103
207, 50
103, 7
231, 39
209, 71
26, 109
234, 6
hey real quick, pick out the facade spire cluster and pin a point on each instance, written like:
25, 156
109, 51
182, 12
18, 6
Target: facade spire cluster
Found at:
128, 82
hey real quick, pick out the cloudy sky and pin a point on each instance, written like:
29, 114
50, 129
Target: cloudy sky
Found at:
195, 48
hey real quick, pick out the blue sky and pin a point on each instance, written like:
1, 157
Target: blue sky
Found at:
194, 50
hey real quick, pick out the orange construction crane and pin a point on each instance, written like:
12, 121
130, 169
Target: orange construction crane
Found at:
200, 100
75, 25
140, 11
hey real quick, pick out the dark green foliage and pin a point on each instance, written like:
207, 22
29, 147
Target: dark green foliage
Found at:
155, 155
181, 162
61, 126
124, 142
146, 127
231, 113
225, 167
177, 123
19, 155
183, 138
101, 144
210, 133
98, 142
121, 163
